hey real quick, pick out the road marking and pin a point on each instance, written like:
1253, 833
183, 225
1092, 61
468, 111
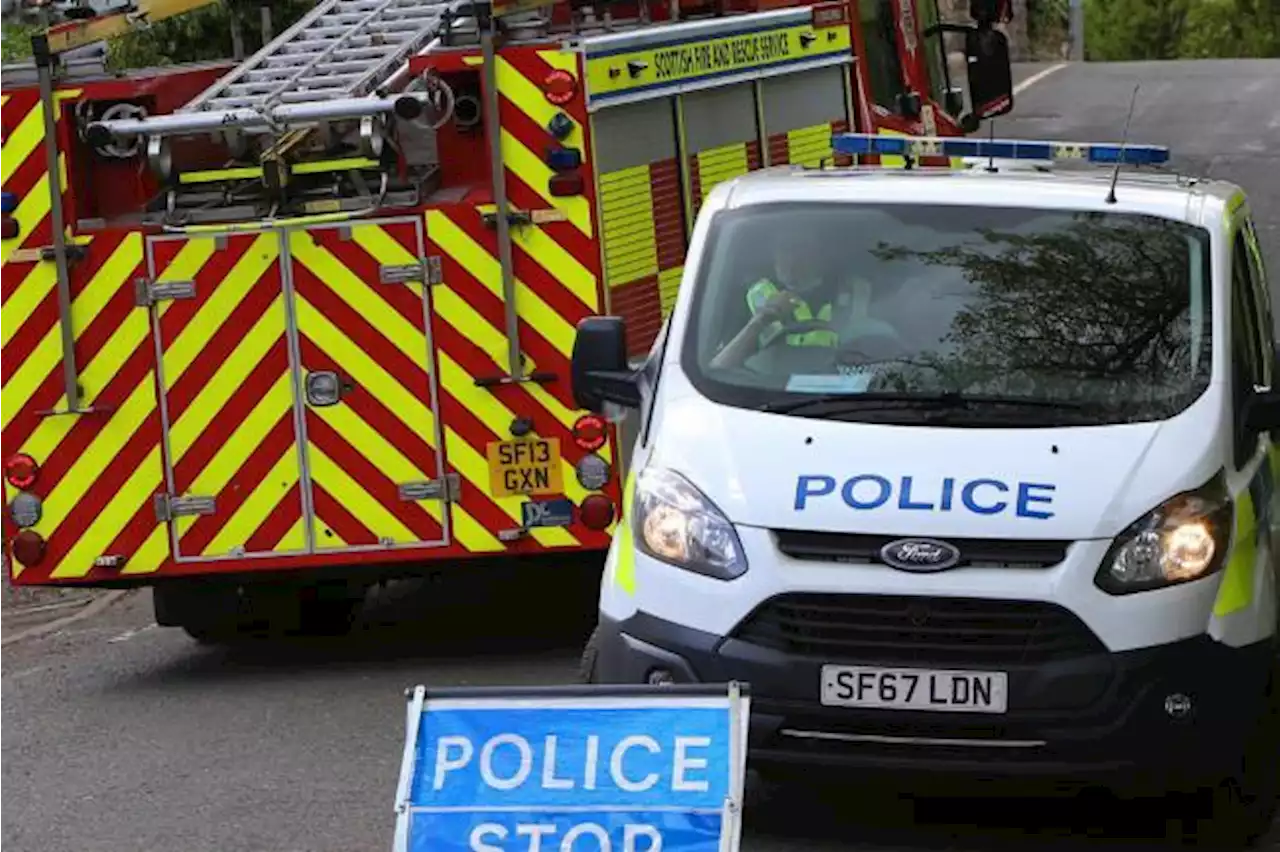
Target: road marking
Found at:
1037, 77
129, 634
84, 612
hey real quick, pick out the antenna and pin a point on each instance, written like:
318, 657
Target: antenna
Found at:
991, 135
1115, 174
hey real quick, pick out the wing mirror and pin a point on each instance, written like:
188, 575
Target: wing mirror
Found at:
601, 372
990, 74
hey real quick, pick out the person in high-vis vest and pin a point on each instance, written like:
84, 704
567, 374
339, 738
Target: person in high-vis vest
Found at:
802, 296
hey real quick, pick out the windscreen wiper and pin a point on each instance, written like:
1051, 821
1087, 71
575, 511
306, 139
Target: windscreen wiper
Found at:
833, 403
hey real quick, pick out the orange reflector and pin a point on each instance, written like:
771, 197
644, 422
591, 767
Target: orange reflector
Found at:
596, 512
28, 548
21, 470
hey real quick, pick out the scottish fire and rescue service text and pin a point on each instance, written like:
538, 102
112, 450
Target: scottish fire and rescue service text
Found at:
708, 58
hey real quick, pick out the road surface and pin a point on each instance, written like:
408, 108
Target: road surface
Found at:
123, 736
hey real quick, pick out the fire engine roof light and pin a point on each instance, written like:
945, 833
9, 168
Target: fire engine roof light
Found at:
8, 202
1004, 149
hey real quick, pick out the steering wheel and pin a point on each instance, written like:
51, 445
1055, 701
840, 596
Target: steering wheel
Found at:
797, 327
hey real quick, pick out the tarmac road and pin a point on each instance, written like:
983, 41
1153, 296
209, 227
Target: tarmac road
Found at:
125, 737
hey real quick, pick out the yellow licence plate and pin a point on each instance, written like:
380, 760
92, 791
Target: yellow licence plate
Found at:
524, 466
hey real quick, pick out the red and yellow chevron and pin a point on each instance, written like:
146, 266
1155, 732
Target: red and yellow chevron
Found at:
204, 397
807, 146
715, 165
643, 236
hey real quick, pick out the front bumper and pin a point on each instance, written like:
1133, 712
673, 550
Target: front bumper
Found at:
1099, 718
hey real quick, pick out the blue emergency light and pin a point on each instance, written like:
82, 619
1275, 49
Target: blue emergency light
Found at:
8, 202
863, 144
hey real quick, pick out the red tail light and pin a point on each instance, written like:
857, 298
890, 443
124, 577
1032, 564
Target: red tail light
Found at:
21, 470
596, 512
590, 432
28, 548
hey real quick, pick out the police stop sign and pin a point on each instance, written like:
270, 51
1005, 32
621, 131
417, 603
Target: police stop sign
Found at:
573, 769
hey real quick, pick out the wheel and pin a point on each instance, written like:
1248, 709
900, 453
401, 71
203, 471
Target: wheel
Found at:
1242, 809
590, 653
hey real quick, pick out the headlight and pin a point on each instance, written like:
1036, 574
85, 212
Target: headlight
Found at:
676, 523
1184, 539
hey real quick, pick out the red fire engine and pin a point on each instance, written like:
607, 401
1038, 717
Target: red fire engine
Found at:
278, 330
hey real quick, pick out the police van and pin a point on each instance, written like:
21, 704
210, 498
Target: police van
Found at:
964, 470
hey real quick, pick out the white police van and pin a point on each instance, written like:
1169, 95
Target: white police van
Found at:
1018, 520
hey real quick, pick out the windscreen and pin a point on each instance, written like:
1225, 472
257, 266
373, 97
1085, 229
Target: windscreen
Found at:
1107, 314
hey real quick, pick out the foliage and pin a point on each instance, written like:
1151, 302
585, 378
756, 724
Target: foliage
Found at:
17, 40
1118, 30
1232, 28
202, 34
1048, 26
1099, 308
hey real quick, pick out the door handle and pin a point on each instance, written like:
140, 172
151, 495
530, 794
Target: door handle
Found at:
327, 387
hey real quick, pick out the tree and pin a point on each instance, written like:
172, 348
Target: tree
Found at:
1232, 29
1119, 30
202, 34
1099, 308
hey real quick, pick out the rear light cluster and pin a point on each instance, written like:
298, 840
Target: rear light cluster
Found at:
590, 433
560, 87
21, 471
9, 227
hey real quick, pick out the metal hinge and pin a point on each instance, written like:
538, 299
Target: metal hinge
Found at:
428, 272
169, 507
146, 292
447, 488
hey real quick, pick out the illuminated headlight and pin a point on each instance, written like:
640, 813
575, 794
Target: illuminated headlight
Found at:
676, 523
1184, 539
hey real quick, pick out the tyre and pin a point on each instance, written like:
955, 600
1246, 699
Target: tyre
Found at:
587, 672
1241, 810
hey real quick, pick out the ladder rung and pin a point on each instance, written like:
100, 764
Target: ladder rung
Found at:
264, 75
311, 81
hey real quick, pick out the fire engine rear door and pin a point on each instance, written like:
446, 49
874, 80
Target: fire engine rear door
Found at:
801, 111
234, 475
361, 299
721, 138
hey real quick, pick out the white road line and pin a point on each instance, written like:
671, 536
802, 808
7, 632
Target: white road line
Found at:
129, 634
1037, 77
86, 611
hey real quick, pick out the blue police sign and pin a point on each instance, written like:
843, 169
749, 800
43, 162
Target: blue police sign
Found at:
573, 769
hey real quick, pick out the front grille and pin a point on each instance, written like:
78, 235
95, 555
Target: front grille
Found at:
917, 630
985, 552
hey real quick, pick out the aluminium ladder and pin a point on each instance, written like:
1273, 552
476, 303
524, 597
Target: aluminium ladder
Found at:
327, 66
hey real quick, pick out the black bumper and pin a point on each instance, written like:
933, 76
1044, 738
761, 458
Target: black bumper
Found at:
1095, 719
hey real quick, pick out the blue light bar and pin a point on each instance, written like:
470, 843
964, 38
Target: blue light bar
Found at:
864, 144
8, 202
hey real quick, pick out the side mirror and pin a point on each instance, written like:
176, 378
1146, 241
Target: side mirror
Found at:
601, 372
1262, 411
990, 74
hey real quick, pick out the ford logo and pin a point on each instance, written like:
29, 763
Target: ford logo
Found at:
921, 555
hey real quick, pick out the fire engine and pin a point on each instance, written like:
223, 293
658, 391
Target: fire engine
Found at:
276, 330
